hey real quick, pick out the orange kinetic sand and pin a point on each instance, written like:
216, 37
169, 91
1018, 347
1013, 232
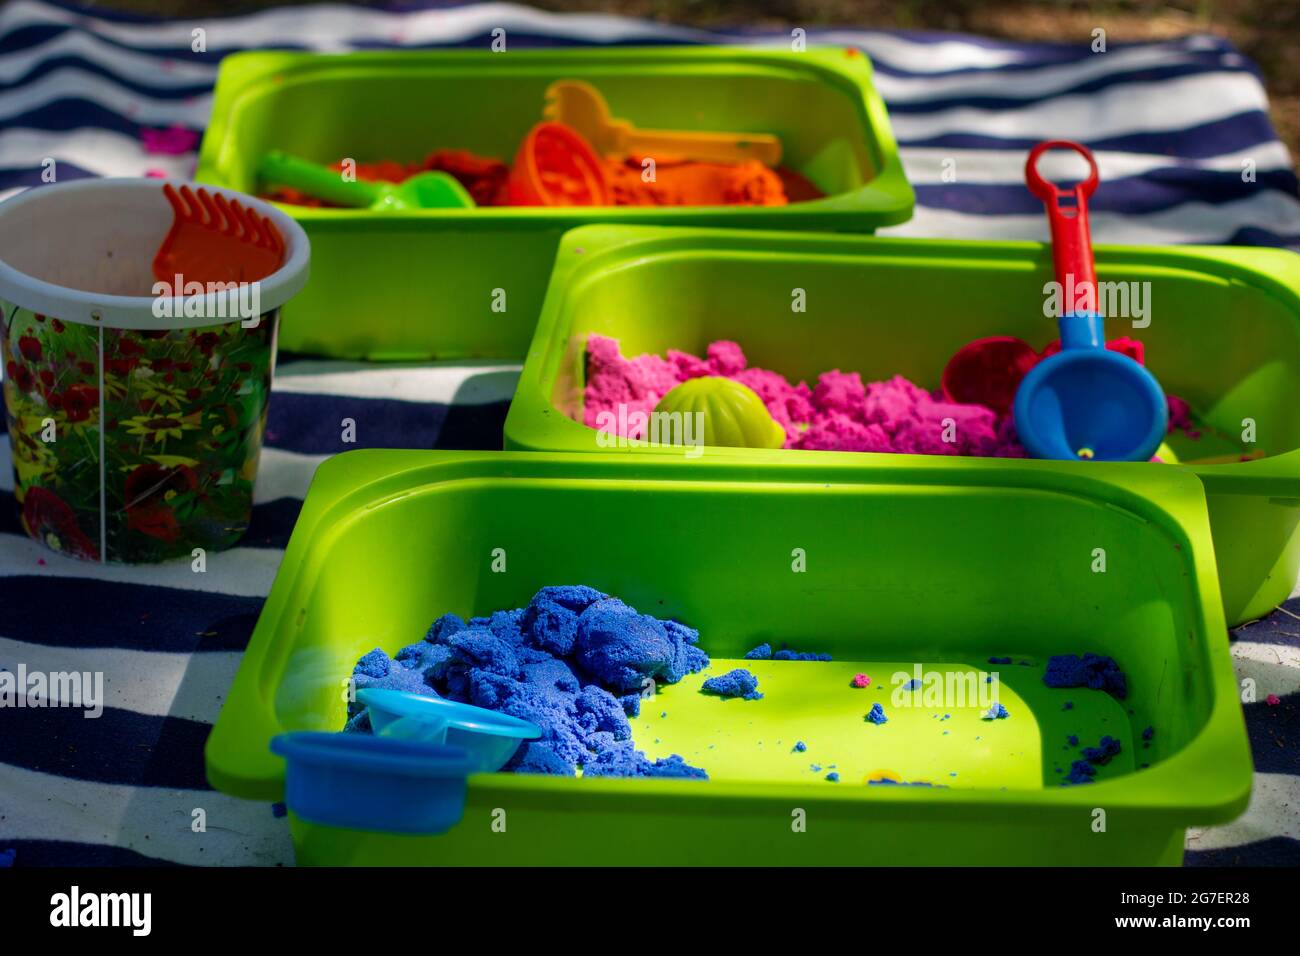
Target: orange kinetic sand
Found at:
677, 181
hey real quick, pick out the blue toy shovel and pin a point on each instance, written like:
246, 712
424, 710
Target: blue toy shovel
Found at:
1084, 402
490, 738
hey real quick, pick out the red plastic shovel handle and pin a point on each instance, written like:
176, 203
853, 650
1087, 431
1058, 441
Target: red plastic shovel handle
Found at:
1067, 212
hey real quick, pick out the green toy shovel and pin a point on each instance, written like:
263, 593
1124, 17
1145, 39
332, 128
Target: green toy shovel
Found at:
421, 191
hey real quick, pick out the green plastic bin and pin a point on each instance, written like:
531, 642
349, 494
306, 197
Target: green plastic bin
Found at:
1224, 333
423, 284
910, 563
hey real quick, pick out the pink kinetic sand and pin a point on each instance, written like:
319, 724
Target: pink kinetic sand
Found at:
839, 414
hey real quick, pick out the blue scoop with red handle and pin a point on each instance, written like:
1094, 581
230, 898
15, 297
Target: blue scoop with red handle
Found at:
1084, 402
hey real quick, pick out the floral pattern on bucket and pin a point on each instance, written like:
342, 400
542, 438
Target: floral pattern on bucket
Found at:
183, 412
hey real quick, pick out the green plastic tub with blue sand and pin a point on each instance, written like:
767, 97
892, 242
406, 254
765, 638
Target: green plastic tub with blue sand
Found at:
454, 283
913, 566
1223, 333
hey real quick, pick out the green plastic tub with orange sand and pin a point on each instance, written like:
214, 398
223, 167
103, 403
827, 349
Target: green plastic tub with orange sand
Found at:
468, 282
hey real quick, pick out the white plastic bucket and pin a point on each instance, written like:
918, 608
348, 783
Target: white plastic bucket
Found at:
135, 418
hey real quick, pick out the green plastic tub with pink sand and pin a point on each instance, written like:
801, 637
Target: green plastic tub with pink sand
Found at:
847, 339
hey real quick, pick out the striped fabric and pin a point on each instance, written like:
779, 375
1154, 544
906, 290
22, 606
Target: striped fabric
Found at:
1172, 124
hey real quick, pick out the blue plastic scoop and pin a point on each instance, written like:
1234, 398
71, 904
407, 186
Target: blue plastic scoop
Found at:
490, 738
364, 782
1084, 402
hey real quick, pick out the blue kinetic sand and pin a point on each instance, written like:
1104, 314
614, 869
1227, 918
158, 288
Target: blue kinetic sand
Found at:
573, 663
735, 683
592, 724
764, 652
1102, 753
1096, 671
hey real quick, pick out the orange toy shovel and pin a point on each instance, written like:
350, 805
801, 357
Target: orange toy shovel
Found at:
579, 105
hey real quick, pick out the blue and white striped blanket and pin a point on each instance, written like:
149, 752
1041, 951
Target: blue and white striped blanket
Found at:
1171, 123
